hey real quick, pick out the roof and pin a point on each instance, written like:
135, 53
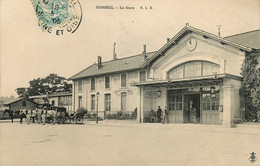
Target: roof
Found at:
188, 29
69, 93
124, 64
8, 102
250, 39
60, 94
11, 101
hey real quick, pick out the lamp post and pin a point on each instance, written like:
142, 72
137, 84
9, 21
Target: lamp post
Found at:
97, 108
159, 93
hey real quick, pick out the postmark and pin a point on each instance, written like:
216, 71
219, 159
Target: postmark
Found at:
58, 16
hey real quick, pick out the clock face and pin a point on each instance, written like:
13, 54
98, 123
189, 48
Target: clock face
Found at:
191, 44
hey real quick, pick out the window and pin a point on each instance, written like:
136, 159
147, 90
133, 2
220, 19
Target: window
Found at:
176, 72
210, 99
80, 101
123, 101
193, 69
142, 76
174, 101
107, 102
171, 102
93, 82
206, 101
210, 68
107, 82
53, 102
123, 80
80, 85
179, 102
93, 102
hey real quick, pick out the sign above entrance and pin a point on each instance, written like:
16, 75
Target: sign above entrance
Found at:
194, 84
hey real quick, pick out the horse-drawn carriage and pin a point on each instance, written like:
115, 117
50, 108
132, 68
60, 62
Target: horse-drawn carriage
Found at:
77, 117
59, 115
52, 114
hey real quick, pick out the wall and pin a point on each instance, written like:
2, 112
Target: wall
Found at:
18, 105
115, 91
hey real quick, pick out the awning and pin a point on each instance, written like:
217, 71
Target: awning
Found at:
189, 82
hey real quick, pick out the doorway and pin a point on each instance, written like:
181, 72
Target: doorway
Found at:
191, 113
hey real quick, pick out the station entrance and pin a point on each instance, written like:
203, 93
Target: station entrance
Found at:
191, 112
194, 105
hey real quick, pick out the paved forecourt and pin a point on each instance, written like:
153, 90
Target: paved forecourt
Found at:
127, 143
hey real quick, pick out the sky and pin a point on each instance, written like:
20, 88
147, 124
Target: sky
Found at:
28, 53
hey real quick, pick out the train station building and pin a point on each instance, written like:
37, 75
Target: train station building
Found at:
195, 75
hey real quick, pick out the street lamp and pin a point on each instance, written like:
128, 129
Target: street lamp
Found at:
159, 93
97, 107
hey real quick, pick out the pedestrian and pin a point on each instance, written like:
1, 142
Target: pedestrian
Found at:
159, 114
11, 115
54, 115
39, 114
165, 116
44, 112
152, 116
21, 115
28, 116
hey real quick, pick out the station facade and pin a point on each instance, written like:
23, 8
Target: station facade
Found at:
195, 75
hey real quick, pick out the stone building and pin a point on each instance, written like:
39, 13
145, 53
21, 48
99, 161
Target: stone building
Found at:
20, 103
195, 74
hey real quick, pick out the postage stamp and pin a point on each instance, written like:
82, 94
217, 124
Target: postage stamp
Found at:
58, 16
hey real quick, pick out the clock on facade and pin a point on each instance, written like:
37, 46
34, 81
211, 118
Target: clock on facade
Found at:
191, 44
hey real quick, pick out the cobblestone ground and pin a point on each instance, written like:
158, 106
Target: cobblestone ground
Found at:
124, 143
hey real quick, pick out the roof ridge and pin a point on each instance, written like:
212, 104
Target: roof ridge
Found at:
80, 72
105, 62
128, 57
242, 33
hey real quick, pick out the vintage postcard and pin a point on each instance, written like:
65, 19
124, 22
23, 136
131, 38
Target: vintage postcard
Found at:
130, 83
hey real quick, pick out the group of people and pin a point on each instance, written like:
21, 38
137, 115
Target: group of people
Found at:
39, 115
161, 116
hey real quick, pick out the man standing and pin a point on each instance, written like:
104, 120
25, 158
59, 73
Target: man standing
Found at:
165, 116
38, 114
22, 114
44, 112
159, 114
11, 115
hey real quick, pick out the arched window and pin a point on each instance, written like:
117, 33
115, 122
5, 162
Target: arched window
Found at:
193, 69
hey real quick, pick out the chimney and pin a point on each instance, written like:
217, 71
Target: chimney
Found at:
114, 52
168, 40
99, 62
219, 26
144, 52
